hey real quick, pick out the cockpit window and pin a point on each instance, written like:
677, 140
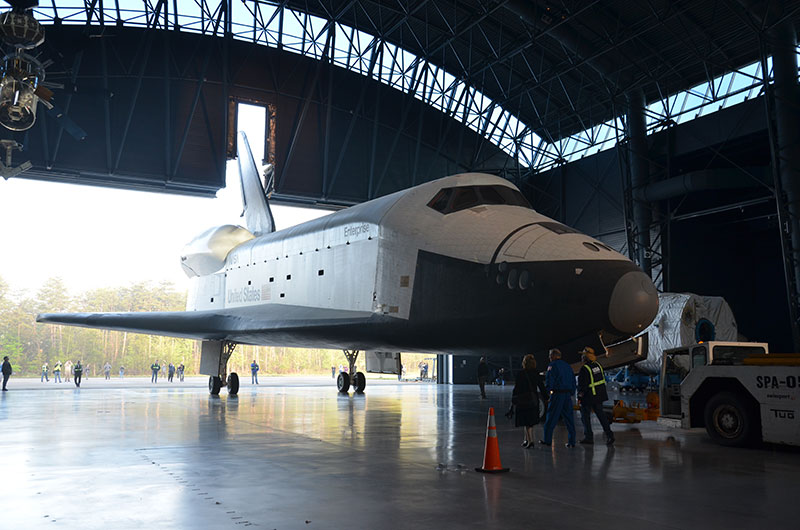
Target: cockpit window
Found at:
491, 195
450, 200
591, 246
558, 228
439, 202
511, 196
464, 198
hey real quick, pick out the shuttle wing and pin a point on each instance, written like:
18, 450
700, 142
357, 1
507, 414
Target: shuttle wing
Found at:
187, 324
226, 324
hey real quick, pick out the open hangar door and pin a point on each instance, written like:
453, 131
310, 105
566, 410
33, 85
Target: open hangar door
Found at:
465, 368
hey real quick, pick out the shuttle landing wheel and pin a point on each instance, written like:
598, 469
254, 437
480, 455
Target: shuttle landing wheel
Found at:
233, 384
214, 385
343, 382
360, 382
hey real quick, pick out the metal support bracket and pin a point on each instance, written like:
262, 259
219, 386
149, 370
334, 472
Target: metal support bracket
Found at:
352, 356
8, 171
227, 351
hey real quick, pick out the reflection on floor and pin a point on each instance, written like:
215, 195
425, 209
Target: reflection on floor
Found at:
292, 453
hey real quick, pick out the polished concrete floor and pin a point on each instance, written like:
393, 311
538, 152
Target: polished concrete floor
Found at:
292, 453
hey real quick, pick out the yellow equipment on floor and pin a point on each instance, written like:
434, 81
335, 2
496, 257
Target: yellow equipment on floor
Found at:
635, 413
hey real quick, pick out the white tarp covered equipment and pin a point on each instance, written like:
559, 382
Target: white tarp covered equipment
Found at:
684, 319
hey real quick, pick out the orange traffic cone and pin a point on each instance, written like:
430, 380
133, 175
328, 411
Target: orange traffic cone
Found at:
491, 454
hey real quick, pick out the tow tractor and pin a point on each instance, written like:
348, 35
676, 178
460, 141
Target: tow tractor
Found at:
738, 391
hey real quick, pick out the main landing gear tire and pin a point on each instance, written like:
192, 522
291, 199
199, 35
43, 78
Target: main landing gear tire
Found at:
360, 382
343, 382
214, 385
233, 384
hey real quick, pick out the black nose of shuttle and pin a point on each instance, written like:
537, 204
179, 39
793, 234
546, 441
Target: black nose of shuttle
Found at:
634, 303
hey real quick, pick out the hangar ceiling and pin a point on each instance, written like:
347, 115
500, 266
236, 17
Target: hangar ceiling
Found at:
159, 116
511, 87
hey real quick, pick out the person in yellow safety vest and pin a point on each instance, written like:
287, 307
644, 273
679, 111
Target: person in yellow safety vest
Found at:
57, 372
591, 395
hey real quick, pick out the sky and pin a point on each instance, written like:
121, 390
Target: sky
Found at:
95, 237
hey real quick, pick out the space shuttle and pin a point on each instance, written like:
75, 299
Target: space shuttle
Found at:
460, 265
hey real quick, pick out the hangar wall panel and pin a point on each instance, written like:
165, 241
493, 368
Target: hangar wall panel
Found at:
155, 105
717, 242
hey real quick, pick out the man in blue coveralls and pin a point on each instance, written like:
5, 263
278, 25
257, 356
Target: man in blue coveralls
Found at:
560, 382
254, 372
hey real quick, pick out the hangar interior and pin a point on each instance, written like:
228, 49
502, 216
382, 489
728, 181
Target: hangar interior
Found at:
666, 129
663, 129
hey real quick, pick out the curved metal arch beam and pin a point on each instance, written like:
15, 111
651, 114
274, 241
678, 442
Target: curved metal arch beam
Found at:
477, 112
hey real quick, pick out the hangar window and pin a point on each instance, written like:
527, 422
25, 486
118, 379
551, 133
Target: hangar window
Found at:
449, 200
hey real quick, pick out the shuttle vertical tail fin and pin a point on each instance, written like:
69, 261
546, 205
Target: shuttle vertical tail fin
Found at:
257, 215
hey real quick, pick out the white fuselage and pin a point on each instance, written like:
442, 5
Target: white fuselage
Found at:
363, 259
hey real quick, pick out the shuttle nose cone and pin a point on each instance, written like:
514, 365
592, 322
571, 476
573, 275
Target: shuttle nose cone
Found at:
634, 303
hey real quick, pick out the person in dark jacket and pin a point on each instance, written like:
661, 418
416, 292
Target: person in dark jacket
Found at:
6, 372
560, 381
155, 367
78, 373
591, 395
525, 400
483, 373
